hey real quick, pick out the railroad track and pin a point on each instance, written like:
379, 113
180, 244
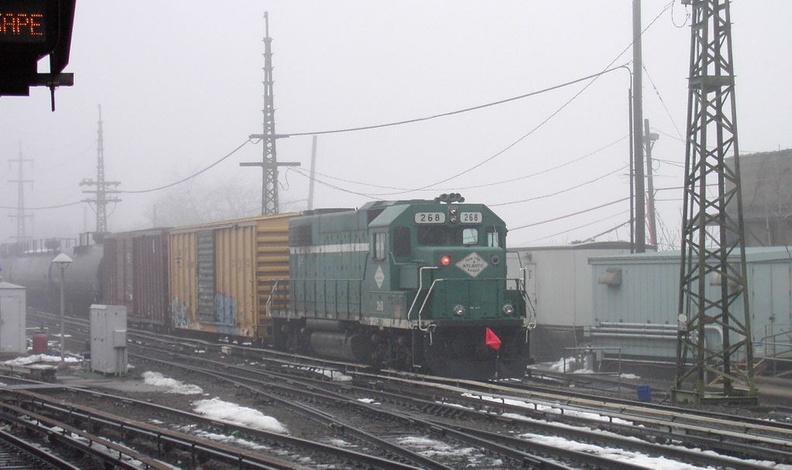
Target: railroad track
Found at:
480, 415
465, 417
21, 454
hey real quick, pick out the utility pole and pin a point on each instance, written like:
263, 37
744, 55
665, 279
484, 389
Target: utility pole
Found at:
21, 215
269, 163
313, 173
651, 216
638, 143
104, 189
714, 324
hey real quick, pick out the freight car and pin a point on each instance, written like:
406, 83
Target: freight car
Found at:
415, 284
135, 274
409, 284
219, 275
29, 264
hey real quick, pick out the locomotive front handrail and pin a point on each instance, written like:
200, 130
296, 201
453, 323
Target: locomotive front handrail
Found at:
530, 310
420, 288
426, 299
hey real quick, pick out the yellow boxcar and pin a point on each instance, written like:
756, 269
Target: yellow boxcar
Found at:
221, 274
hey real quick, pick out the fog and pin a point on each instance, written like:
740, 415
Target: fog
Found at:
180, 87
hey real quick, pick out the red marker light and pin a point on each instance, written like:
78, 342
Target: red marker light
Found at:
445, 260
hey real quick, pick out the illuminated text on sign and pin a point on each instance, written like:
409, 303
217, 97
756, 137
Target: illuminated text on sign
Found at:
22, 26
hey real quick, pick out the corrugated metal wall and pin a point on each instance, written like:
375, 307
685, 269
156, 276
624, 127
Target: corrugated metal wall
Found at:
640, 313
135, 274
150, 281
221, 274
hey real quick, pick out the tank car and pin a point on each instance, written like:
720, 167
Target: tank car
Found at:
417, 284
30, 265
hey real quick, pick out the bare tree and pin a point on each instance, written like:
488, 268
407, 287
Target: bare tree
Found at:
198, 202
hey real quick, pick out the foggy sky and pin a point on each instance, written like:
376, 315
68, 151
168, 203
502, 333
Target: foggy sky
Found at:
180, 86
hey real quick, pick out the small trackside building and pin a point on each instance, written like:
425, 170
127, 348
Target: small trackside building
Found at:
636, 303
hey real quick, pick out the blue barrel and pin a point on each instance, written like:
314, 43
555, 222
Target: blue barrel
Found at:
644, 392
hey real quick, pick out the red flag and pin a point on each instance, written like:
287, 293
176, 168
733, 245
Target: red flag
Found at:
492, 340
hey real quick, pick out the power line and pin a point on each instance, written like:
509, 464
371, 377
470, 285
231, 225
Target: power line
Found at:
560, 191
191, 176
452, 113
610, 230
662, 101
583, 226
592, 78
570, 215
519, 178
46, 207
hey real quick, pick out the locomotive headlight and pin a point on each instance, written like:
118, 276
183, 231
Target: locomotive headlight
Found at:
453, 214
459, 310
445, 260
508, 309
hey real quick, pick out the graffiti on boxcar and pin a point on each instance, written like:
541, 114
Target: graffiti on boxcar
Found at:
180, 314
225, 309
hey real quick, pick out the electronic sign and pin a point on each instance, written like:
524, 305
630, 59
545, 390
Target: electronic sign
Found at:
23, 25
30, 30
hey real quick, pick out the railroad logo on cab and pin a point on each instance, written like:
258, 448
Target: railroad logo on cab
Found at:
472, 264
379, 277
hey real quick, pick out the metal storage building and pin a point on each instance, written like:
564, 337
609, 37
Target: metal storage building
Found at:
636, 297
558, 281
13, 315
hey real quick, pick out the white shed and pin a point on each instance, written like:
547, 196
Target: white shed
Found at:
558, 281
13, 308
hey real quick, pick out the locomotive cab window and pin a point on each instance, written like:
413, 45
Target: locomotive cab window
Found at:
434, 235
494, 238
470, 236
378, 246
401, 242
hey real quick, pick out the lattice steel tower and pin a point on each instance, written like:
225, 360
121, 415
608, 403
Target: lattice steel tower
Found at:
21, 215
103, 194
714, 346
269, 163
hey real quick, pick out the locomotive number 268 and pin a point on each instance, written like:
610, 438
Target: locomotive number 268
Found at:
430, 217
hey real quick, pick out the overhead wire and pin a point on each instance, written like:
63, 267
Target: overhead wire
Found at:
306, 174
452, 113
554, 219
580, 227
592, 78
565, 190
159, 188
41, 208
662, 102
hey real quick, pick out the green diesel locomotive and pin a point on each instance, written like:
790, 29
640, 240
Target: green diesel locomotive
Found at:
418, 285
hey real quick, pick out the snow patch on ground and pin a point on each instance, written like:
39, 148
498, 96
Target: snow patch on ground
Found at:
173, 385
39, 358
238, 415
